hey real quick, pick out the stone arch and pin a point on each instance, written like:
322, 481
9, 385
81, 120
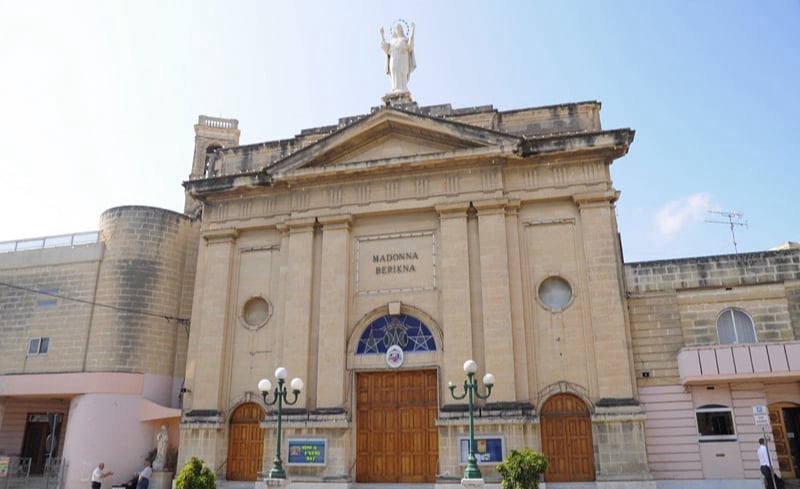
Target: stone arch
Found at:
428, 358
564, 387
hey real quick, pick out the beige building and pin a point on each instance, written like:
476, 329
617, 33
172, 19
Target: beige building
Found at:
93, 335
372, 258
447, 234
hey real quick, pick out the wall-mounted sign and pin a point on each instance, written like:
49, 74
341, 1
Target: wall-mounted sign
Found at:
307, 451
488, 449
395, 262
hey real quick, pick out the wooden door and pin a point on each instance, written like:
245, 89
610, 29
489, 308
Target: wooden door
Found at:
780, 415
396, 435
245, 443
567, 439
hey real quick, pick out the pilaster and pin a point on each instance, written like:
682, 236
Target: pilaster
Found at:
496, 293
609, 330
212, 321
297, 297
335, 273
456, 313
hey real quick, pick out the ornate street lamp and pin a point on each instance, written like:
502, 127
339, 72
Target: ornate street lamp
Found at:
471, 388
279, 396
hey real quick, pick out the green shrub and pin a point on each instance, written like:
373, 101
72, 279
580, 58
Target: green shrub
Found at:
522, 469
195, 476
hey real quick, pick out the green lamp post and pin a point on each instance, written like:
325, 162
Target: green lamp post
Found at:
471, 389
279, 396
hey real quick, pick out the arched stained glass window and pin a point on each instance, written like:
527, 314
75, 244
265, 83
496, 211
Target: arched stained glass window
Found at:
402, 330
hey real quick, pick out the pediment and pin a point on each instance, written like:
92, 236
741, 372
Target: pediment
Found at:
391, 133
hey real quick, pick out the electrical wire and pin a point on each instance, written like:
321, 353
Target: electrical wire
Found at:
184, 321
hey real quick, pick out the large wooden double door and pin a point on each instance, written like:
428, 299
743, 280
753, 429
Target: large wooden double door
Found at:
396, 435
245, 443
567, 439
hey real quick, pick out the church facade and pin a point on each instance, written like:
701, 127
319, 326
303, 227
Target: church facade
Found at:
444, 235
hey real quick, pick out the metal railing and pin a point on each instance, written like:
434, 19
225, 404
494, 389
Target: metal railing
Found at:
19, 474
19, 468
75, 239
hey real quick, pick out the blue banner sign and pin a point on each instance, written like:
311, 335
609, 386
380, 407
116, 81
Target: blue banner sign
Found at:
488, 449
307, 451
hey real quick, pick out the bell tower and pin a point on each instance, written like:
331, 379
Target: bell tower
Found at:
210, 135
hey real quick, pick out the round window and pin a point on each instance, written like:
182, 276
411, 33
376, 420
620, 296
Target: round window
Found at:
256, 312
555, 293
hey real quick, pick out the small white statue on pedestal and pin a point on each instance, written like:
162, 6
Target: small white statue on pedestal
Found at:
161, 448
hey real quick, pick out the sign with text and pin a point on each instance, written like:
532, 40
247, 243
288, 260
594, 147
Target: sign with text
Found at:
5, 462
307, 451
761, 416
488, 449
396, 262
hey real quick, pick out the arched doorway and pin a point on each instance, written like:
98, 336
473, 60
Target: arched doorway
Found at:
785, 420
567, 439
397, 440
245, 443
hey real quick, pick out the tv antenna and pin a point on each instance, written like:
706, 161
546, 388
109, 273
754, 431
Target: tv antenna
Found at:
734, 219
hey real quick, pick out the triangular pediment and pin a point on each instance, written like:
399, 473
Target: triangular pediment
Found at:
389, 134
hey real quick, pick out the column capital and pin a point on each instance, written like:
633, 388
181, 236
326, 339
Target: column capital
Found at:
341, 221
292, 226
489, 207
595, 199
227, 235
453, 210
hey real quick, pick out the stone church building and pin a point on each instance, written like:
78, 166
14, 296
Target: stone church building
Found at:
371, 259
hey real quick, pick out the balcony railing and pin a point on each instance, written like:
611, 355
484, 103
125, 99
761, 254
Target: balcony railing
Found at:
218, 122
76, 239
758, 361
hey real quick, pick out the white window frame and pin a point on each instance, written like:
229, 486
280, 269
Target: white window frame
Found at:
714, 408
35, 348
736, 339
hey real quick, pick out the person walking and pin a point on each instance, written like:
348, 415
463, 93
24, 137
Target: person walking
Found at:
98, 475
770, 479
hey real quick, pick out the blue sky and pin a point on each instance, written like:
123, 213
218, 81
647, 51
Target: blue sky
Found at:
99, 99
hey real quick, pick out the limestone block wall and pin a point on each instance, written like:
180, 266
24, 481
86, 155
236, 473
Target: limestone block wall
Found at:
675, 303
142, 277
69, 272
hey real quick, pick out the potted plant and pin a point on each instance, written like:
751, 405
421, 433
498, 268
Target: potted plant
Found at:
522, 469
195, 476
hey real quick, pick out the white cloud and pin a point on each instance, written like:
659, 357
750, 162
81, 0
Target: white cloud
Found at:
677, 214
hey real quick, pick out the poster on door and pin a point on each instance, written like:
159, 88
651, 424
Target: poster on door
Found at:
4, 463
488, 449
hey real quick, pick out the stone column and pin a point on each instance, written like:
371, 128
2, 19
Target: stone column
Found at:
609, 331
496, 296
454, 283
210, 317
333, 311
516, 267
297, 305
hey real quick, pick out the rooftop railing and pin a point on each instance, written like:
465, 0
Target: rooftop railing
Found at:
76, 239
219, 122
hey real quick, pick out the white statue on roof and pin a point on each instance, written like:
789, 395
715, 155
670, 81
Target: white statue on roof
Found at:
400, 60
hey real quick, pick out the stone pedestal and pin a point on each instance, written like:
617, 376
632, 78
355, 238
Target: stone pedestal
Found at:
271, 483
160, 480
472, 483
